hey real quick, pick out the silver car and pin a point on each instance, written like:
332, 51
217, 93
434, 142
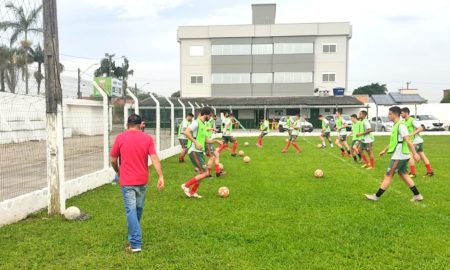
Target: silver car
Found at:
382, 123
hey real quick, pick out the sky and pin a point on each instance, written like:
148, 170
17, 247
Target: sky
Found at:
393, 42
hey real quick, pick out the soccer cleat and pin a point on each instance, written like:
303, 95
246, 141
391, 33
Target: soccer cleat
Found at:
233, 155
186, 190
331, 145
132, 250
222, 173
370, 168
342, 154
372, 197
324, 146
181, 160
195, 195
429, 174
284, 151
417, 198
412, 175
364, 166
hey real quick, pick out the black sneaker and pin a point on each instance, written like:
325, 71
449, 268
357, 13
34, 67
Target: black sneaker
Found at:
429, 174
221, 174
181, 160
233, 155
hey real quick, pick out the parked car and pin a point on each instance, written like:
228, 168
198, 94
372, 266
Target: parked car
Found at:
332, 119
382, 123
429, 122
305, 125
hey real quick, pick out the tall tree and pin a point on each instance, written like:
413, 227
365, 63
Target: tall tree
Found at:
37, 55
22, 25
371, 89
107, 66
4, 62
176, 94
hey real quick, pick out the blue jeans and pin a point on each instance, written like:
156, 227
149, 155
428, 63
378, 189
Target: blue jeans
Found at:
133, 199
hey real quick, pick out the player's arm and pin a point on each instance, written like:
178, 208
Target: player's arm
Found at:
411, 147
115, 164
384, 150
156, 163
417, 131
188, 134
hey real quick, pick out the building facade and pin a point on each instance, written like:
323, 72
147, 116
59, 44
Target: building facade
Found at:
263, 59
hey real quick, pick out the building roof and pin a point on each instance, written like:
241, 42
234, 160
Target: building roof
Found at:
252, 102
397, 99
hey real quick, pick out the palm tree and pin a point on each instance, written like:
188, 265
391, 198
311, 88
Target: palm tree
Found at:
37, 55
11, 70
22, 25
4, 61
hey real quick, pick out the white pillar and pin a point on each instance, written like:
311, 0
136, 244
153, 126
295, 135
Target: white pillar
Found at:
158, 124
193, 109
214, 108
135, 99
172, 123
184, 108
105, 126
126, 107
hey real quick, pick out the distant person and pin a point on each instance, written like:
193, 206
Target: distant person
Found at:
401, 148
341, 128
132, 149
181, 137
264, 127
296, 129
367, 142
326, 131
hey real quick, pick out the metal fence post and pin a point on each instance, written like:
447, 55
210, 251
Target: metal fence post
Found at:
105, 126
184, 108
172, 123
193, 108
135, 99
158, 123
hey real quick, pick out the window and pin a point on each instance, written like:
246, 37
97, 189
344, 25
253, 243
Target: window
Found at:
293, 48
262, 78
232, 49
196, 79
293, 77
196, 50
329, 48
328, 77
230, 78
262, 49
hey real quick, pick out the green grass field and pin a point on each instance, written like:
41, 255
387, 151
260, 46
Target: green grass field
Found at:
278, 216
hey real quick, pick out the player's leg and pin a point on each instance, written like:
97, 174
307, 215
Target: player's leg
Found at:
190, 187
286, 147
226, 140
322, 138
412, 168
235, 145
372, 158
347, 148
354, 150
294, 143
183, 150
403, 173
328, 136
425, 160
393, 166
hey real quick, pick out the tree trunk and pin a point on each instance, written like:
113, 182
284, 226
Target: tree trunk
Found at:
39, 81
2, 81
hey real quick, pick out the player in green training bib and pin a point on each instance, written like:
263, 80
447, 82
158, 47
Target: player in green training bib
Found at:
367, 142
181, 137
326, 131
227, 133
400, 146
414, 128
341, 128
356, 140
211, 152
296, 129
264, 127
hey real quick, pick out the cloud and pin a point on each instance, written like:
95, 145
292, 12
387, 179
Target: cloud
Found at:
136, 9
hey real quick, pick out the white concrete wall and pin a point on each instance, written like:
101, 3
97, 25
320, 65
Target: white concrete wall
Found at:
195, 65
22, 118
330, 62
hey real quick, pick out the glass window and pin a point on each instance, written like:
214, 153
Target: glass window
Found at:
231, 49
196, 50
262, 77
328, 77
293, 48
262, 49
230, 78
329, 48
293, 77
196, 79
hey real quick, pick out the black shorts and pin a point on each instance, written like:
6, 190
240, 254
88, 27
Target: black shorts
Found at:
227, 139
183, 143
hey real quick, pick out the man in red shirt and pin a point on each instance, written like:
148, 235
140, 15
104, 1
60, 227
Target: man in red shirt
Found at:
132, 148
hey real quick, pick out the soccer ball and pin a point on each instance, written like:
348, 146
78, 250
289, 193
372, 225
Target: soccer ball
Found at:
72, 213
247, 159
224, 192
241, 153
319, 146
287, 140
318, 173
221, 166
246, 144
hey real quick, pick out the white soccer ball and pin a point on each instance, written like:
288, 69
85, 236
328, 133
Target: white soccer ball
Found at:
318, 173
72, 213
319, 145
223, 192
247, 159
241, 153
221, 166
246, 144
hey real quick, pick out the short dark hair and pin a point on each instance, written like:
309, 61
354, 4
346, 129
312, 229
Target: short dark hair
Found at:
354, 116
297, 114
190, 114
134, 119
406, 110
395, 110
206, 111
231, 114
320, 115
339, 111
364, 112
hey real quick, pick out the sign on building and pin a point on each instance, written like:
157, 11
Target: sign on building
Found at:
112, 86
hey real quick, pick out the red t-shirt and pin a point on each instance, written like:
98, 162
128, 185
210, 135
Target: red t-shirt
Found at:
133, 148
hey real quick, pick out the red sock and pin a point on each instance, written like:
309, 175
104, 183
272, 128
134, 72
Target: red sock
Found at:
412, 169
365, 159
223, 146
296, 146
287, 145
190, 182
429, 169
194, 188
260, 141
372, 162
233, 151
217, 168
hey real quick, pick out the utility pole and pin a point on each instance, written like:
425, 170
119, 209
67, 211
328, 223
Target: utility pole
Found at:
53, 98
407, 85
79, 84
